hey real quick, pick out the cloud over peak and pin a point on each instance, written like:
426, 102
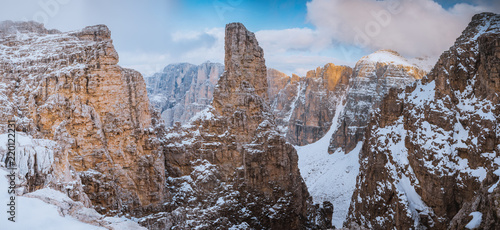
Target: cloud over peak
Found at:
412, 27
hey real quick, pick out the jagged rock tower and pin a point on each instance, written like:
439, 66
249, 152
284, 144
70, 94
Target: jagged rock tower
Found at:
231, 167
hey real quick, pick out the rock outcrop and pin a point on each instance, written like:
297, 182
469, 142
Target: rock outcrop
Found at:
305, 107
430, 159
230, 167
182, 90
66, 89
372, 78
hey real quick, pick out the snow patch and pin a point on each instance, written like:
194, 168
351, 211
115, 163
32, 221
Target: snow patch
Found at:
476, 220
330, 177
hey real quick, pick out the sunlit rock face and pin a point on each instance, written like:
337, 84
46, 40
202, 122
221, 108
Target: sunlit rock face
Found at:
67, 94
430, 158
304, 106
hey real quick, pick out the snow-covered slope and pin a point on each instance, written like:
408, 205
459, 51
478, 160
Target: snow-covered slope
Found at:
45, 208
48, 209
330, 177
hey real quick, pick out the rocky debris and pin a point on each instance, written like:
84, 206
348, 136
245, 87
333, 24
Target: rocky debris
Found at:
231, 167
182, 90
67, 88
371, 79
430, 159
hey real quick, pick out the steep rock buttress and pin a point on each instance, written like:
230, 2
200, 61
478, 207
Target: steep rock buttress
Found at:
230, 167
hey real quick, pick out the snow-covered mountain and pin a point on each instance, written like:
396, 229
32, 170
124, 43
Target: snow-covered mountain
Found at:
430, 158
330, 165
389, 147
372, 78
182, 90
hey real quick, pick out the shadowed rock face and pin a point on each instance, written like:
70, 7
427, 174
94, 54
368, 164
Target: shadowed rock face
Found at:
372, 78
66, 87
431, 152
182, 90
231, 167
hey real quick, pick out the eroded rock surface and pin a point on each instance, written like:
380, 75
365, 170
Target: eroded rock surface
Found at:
67, 88
372, 78
182, 90
231, 167
304, 107
431, 154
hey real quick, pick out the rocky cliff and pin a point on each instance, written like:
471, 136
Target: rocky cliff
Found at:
372, 78
230, 167
91, 117
182, 90
430, 158
305, 107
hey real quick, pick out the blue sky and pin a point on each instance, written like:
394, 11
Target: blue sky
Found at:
296, 35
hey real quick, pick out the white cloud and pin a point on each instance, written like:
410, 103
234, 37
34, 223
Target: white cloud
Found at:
411, 27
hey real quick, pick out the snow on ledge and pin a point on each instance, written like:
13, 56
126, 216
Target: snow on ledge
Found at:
476, 220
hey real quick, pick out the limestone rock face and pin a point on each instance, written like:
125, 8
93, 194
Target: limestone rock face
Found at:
182, 90
304, 107
68, 88
231, 167
431, 153
372, 78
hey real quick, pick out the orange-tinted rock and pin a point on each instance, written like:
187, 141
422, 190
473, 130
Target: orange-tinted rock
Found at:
372, 78
66, 87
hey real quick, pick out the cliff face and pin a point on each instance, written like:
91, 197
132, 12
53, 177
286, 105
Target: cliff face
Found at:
231, 167
304, 107
182, 90
372, 78
67, 88
430, 157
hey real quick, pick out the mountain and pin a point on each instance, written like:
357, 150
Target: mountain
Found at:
330, 165
230, 167
430, 155
182, 90
304, 107
372, 78
85, 120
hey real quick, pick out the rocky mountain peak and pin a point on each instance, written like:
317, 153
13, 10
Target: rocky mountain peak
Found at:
245, 71
385, 57
460, 63
93, 33
181, 90
372, 78
435, 144
241, 92
233, 152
